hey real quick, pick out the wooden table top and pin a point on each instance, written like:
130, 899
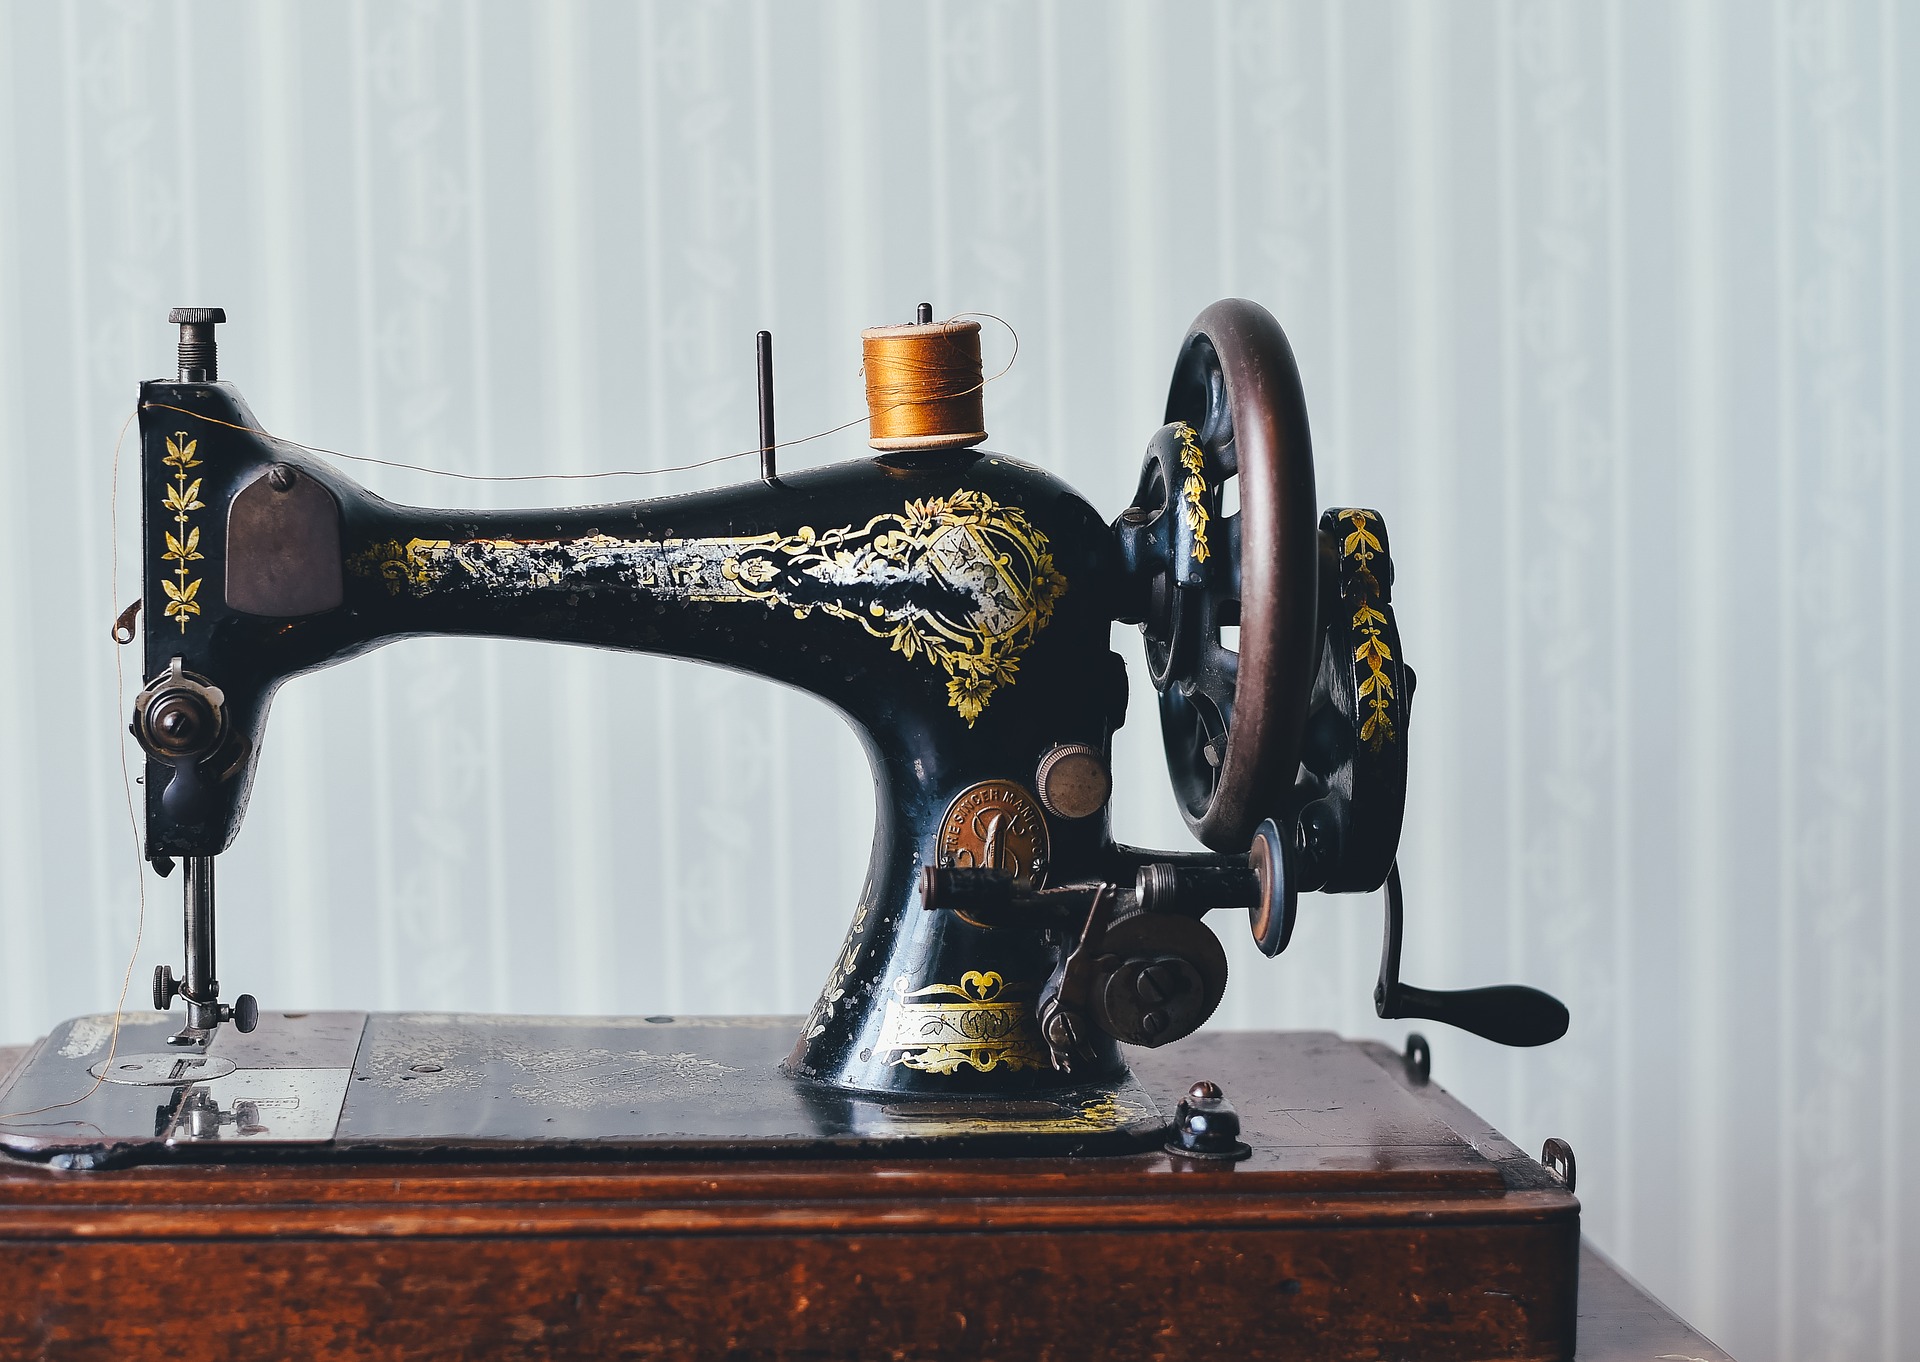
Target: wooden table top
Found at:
1619, 1321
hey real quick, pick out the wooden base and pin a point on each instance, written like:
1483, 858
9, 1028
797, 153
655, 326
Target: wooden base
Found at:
1376, 1217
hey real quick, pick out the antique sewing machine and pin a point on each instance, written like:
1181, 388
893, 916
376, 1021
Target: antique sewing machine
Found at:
956, 606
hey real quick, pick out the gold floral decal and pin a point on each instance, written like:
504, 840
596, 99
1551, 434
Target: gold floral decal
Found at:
1091, 1115
183, 543
1194, 490
975, 1024
1376, 688
836, 985
895, 576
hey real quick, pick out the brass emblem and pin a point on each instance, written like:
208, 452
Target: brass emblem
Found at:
995, 825
975, 1023
960, 580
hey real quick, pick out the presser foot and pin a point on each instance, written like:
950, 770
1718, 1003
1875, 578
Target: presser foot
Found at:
203, 1018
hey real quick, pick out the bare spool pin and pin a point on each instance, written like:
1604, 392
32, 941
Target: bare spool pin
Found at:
923, 385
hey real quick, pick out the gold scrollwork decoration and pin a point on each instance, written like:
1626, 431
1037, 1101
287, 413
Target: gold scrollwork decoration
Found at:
1194, 490
1360, 544
898, 576
979, 1023
1088, 1115
1105, 1112
182, 498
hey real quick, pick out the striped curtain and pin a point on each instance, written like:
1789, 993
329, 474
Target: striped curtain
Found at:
1603, 305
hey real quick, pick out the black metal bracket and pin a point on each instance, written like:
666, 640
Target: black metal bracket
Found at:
1418, 1058
1556, 1156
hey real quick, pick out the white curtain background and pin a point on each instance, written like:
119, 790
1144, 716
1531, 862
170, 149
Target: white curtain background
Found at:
1604, 305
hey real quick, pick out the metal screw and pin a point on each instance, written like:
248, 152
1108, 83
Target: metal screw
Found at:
1152, 986
1206, 1127
199, 354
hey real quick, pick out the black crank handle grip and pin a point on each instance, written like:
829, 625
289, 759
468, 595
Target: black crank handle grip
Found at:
1507, 1014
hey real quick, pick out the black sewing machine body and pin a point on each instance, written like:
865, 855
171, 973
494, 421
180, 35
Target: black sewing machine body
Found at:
947, 603
956, 606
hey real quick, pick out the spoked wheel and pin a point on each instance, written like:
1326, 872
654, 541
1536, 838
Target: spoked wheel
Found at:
1292, 746
1231, 718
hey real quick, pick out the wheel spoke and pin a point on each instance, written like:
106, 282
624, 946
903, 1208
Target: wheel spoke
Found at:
1214, 678
1216, 426
1187, 725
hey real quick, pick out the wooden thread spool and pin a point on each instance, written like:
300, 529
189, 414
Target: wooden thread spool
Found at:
923, 385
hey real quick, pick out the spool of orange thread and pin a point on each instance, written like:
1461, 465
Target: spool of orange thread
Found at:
923, 385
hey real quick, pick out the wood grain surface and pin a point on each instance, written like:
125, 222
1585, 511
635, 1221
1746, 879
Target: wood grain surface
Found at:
1377, 1217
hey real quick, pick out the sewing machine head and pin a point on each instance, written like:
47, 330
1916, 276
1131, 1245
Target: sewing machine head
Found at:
956, 606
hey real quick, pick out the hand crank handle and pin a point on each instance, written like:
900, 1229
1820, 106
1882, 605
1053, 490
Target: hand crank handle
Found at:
1507, 1014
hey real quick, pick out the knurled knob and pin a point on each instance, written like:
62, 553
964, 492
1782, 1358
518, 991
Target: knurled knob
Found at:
1072, 781
199, 352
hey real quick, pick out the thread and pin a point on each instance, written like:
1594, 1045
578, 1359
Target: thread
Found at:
923, 385
266, 434
627, 472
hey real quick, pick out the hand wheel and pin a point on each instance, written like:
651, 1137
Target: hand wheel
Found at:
1231, 718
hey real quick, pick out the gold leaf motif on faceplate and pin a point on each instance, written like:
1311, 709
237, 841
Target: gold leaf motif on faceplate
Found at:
182, 543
